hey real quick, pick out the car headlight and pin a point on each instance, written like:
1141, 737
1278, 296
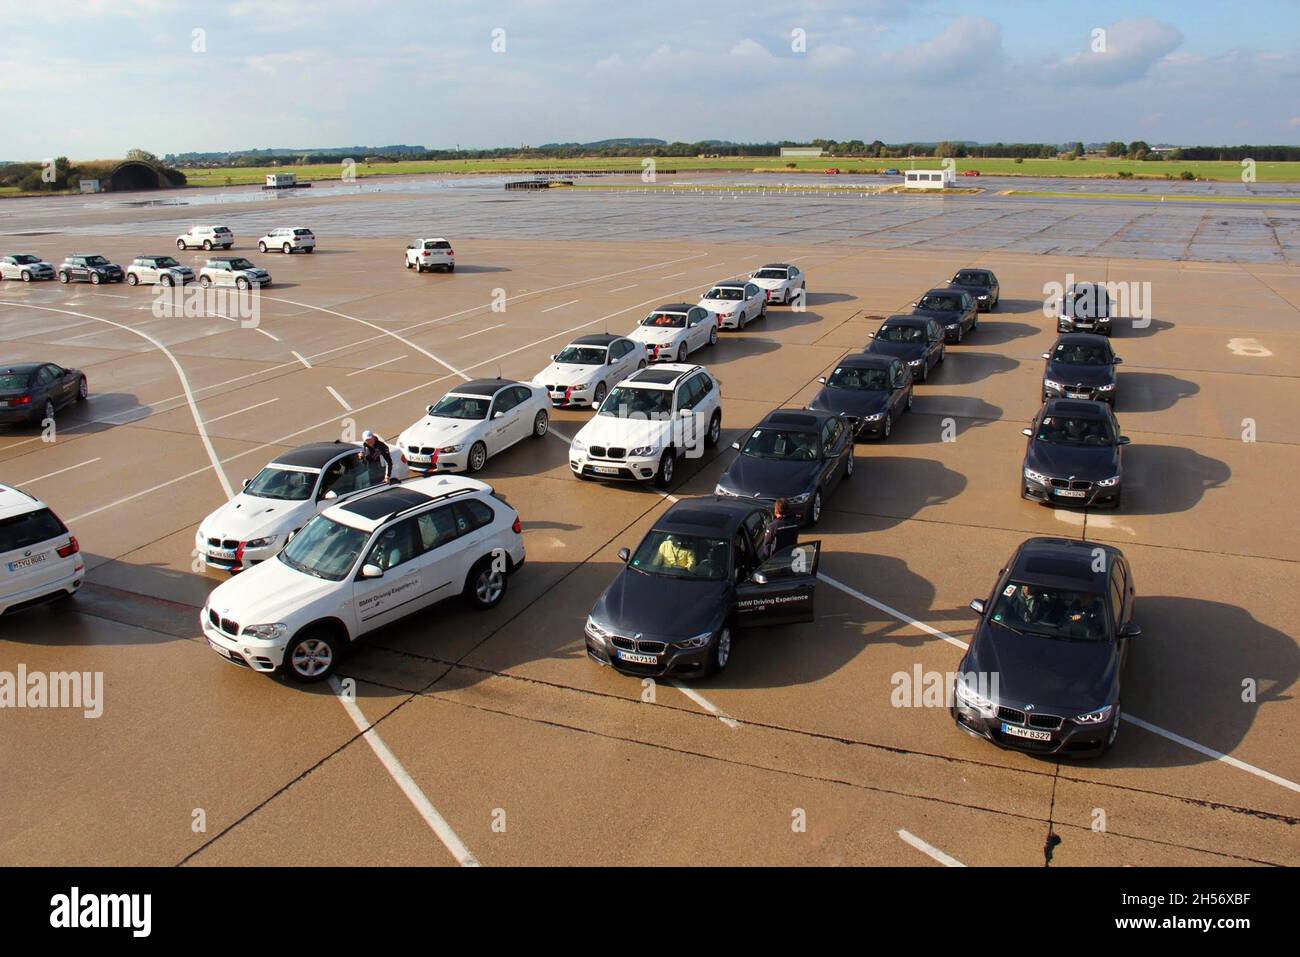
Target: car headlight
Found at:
695, 641
983, 295
582, 387
973, 699
1108, 482
1095, 717
1035, 476
952, 325
259, 542
1109, 386
270, 632
800, 499
643, 450
875, 418
449, 449
596, 629
914, 362
1051, 384
578, 445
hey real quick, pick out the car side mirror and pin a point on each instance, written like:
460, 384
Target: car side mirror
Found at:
330, 495
977, 605
736, 446
428, 410
1131, 631
1028, 432
369, 570
624, 555
1124, 440
1047, 355
1117, 360
246, 483
685, 413
871, 335
497, 414
555, 357
821, 379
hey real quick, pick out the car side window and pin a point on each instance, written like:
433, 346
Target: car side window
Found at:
793, 272
829, 432
522, 394
348, 474
395, 545
505, 401
44, 376
472, 514
1116, 594
437, 527
756, 526
751, 291
684, 398
704, 382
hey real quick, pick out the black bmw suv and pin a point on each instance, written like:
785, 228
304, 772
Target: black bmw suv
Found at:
1042, 673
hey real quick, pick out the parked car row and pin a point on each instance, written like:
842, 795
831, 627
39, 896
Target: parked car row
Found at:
146, 270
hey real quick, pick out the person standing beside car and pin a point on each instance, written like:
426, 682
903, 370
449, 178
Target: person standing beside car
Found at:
377, 458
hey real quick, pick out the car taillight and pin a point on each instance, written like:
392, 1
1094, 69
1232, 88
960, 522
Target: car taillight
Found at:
451, 252
518, 526
70, 549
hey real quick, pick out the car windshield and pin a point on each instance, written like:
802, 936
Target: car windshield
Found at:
1075, 430
25, 260
281, 483
582, 355
771, 274
780, 444
14, 380
96, 261
626, 402
665, 320
1081, 354
971, 279
461, 407
324, 548
682, 556
30, 528
165, 262
901, 334
1035, 611
727, 293
864, 380
241, 264
302, 232
939, 303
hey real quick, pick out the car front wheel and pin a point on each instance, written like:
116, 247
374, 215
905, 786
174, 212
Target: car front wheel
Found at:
721, 653
486, 584
311, 656
815, 509
541, 422
477, 457
715, 430
667, 464
132, 279
287, 249
261, 247
83, 389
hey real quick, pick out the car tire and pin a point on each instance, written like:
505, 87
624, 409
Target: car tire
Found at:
485, 586
681, 350
451, 268
598, 396
419, 267
720, 652
311, 655
541, 423
27, 275
407, 263
849, 466
132, 279
241, 284
713, 335
207, 246
477, 453
309, 250
205, 281
286, 249
180, 244
762, 310
925, 371
166, 280
667, 466
814, 509
641, 365
715, 429
943, 352
958, 342
888, 428
910, 394
261, 246
95, 279
1114, 731
48, 413
975, 323
83, 389
64, 278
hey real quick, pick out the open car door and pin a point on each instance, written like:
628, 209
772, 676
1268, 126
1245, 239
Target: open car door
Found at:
781, 590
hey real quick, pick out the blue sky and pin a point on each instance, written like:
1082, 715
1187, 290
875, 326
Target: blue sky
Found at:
100, 76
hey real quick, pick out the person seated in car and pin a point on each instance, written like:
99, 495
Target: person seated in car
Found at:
674, 553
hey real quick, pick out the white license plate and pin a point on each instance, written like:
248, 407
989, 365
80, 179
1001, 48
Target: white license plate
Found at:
1076, 395
1070, 493
4, 403
28, 562
222, 553
1030, 733
605, 469
218, 649
637, 659
418, 459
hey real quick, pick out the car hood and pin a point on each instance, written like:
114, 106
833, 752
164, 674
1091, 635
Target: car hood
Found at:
972, 290
1090, 462
1079, 375
247, 517
659, 606
769, 283
855, 402
1056, 676
440, 432
903, 350
769, 478
651, 334
721, 305
566, 373
267, 593
943, 317
624, 433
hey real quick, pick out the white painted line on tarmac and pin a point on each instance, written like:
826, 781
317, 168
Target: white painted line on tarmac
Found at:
479, 332
674, 275
706, 704
561, 305
342, 401
70, 468
930, 850
241, 411
437, 823
180, 374
376, 365
299, 356
621, 288
1132, 719
267, 334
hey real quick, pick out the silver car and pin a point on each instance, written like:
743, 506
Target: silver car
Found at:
163, 270
25, 267
233, 271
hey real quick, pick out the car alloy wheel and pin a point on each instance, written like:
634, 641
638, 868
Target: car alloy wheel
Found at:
489, 586
95, 279
241, 283
207, 246
681, 350
180, 244
849, 466
889, 425
541, 423
261, 246
49, 411
715, 429
287, 249
311, 658
83, 390
909, 400
64, 277
477, 457
667, 463
205, 281
27, 275
722, 650
815, 508
713, 335
599, 396
132, 279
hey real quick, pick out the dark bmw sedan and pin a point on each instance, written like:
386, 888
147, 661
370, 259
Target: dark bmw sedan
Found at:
1081, 366
703, 572
793, 454
916, 340
979, 283
953, 309
32, 392
871, 391
1042, 674
1074, 455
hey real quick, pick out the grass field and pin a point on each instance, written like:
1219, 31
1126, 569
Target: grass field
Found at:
1213, 170
1173, 198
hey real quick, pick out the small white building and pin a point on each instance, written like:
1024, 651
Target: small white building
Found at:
90, 186
280, 180
801, 151
929, 179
